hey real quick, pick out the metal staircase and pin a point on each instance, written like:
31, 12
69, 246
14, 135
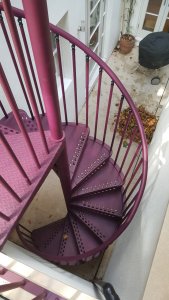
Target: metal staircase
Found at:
102, 185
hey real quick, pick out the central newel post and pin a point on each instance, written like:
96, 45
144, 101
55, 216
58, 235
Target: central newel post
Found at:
38, 26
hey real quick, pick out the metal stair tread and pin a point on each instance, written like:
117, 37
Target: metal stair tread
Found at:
10, 207
47, 237
76, 135
82, 236
101, 227
106, 178
108, 202
76, 138
93, 158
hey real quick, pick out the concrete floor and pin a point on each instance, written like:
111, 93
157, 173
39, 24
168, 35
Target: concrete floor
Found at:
138, 83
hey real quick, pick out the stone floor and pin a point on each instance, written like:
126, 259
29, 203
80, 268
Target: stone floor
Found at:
137, 81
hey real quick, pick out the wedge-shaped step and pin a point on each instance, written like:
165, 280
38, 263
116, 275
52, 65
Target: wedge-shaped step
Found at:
93, 158
76, 135
8, 130
86, 240
76, 138
99, 226
11, 207
106, 178
107, 203
56, 240
30, 124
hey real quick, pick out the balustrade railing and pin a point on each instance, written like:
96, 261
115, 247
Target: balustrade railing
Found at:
132, 164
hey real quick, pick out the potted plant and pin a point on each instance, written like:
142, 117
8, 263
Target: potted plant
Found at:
127, 40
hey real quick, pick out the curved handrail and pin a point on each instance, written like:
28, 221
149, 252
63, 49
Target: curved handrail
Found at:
74, 41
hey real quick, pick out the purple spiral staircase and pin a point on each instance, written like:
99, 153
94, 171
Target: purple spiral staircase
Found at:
102, 184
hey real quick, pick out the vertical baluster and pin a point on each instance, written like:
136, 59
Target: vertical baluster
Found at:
3, 216
13, 285
13, 156
3, 110
108, 110
132, 161
9, 189
128, 148
61, 76
117, 121
122, 137
87, 90
133, 175
138, 157
30, 63
15, 64
133, 188
75, 81
2, 271
20, 55
98, 102
17, 116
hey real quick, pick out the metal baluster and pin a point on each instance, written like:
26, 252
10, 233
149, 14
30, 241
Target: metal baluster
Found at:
3, 216
98, 102
3, 110
75, 82
133, 175
61, 76
30, 63
13, 285
9, 189
117, 121
13, 156
108, 110
133, 188
19, 51
122, 137
15, 63
132, 161
12, 102
87, 90
128, 148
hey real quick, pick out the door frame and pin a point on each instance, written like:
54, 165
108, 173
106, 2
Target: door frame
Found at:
163, 12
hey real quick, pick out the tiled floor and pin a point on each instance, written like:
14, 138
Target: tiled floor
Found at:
138, 83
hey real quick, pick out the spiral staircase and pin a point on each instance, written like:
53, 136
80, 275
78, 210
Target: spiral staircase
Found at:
102, 184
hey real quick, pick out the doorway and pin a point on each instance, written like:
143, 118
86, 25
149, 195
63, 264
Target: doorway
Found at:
154, 17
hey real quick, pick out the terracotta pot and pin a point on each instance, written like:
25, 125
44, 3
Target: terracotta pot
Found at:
126, 44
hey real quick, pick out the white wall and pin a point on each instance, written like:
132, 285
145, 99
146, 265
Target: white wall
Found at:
113, 24
57, 9
130, 263
74, 10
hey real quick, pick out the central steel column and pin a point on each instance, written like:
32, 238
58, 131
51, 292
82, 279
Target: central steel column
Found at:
38, 26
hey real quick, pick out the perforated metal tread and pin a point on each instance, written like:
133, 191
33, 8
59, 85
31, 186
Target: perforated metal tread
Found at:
93, 158
30, 124
10, 208
76, 136
106, 178
79, 237
88, 229
96, 205
76, 139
